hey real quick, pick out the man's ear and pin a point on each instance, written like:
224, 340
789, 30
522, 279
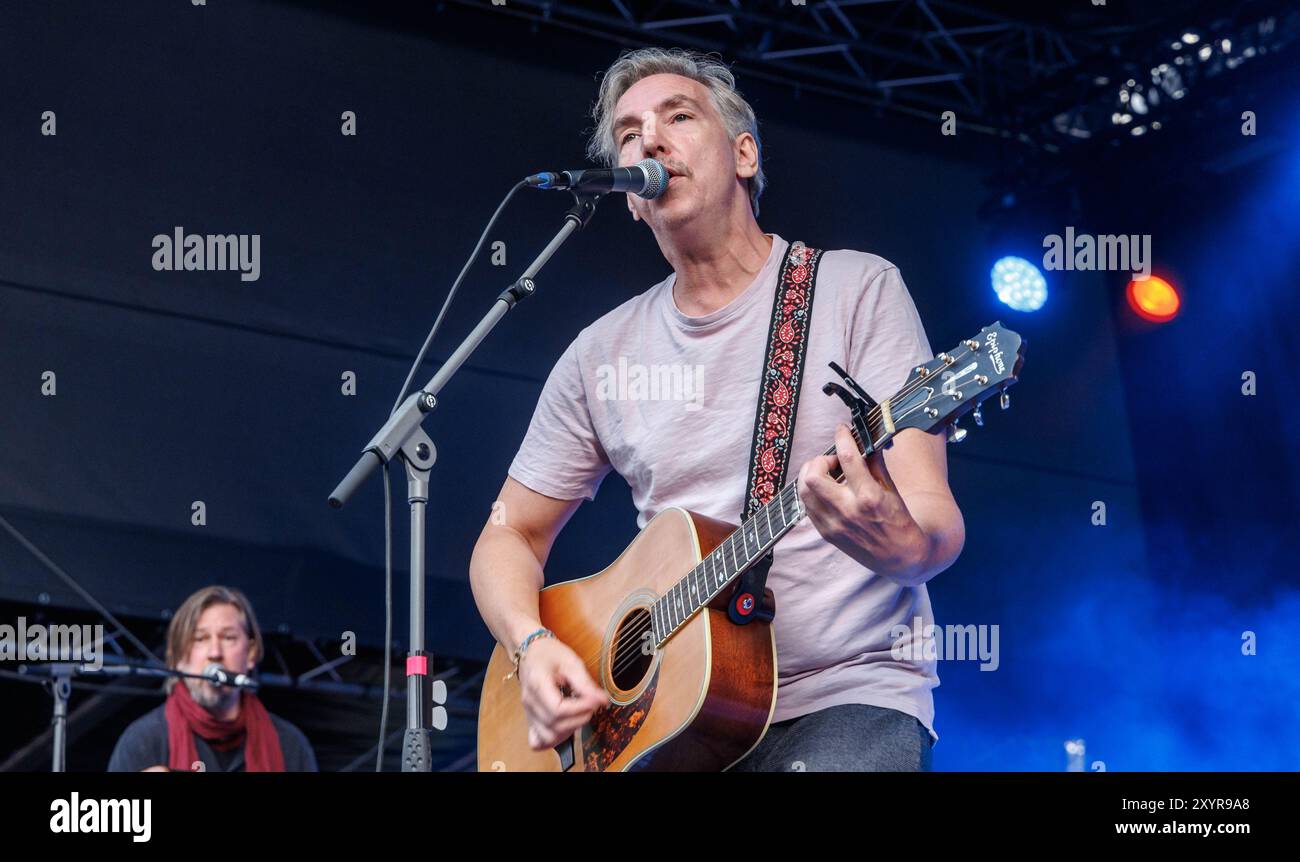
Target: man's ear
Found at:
746, 153
631, 208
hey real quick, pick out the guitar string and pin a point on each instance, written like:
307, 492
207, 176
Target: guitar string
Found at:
631, 634
637, 631
626, 643
627, 639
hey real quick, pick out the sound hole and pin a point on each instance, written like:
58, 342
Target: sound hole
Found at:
633, 650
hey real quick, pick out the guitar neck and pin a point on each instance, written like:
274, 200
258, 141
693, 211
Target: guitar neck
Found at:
735, 554
936, 392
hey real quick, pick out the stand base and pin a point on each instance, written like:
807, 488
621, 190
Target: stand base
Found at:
417, 755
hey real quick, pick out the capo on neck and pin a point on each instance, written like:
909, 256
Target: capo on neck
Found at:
858, 402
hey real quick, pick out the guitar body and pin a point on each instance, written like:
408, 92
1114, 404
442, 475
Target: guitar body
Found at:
701, 702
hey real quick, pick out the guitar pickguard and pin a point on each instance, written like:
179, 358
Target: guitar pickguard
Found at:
611, 729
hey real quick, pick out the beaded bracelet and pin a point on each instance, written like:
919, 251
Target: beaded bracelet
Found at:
519, 653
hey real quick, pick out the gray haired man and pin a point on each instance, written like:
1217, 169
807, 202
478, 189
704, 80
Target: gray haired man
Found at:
845, 576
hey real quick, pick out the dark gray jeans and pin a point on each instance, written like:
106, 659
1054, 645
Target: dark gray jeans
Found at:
851, 737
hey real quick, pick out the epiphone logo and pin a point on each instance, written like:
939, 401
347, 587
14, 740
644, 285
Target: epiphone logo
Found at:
995, 352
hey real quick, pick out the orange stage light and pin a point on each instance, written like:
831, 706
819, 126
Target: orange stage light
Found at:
1154, 299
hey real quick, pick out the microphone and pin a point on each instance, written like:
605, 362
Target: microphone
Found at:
219, 675
647, 179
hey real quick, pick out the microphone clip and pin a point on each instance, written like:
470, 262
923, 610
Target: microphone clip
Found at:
584, 207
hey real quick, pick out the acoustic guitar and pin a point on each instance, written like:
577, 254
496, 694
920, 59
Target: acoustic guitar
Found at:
690, 689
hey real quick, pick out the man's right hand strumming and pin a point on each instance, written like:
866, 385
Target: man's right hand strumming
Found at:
547, 671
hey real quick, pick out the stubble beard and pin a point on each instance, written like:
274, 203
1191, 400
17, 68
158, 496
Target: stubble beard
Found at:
210, 697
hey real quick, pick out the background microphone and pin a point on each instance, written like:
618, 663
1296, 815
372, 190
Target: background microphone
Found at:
647, 179
219, 675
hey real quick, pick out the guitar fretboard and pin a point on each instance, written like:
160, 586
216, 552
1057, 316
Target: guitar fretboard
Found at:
989, 361
737, 553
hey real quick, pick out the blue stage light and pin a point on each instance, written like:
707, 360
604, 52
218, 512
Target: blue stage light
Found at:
1019, 284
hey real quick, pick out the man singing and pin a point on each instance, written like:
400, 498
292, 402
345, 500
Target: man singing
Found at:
203, 726
846, 575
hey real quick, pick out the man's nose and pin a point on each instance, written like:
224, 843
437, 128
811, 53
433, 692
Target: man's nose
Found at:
651, 142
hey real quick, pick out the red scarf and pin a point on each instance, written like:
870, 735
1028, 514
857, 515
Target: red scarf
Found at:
252, 729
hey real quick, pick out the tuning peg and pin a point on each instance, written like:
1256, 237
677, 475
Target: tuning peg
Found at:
956, 434
1004, 401
979, 417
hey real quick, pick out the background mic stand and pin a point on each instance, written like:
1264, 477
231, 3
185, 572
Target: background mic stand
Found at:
403, 437
56, 677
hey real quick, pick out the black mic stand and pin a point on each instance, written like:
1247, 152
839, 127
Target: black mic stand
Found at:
403, 437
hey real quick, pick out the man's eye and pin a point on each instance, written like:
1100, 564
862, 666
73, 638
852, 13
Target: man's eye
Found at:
676, 117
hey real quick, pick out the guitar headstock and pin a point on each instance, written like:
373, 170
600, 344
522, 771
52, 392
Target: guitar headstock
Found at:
958, 381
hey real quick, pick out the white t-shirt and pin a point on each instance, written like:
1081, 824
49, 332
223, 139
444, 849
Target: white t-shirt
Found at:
668, 401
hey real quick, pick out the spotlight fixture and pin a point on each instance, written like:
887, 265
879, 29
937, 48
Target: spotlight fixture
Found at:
1019, 284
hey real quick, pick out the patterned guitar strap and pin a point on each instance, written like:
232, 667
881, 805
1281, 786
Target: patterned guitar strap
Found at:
778, 401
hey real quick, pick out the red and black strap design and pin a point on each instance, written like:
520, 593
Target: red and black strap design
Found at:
787, 346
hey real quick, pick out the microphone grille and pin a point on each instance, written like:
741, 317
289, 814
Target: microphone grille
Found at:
656, 178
